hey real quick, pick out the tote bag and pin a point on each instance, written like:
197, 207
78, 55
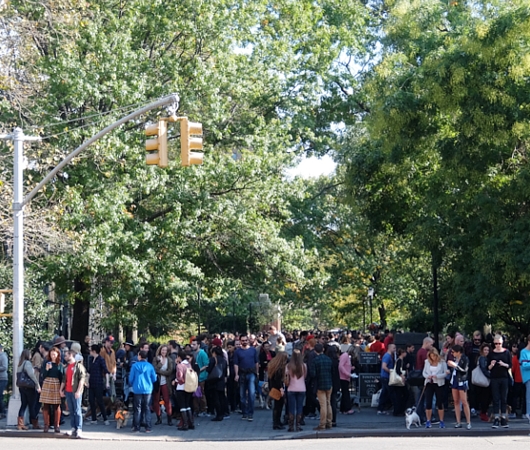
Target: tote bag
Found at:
395, 379
478, 378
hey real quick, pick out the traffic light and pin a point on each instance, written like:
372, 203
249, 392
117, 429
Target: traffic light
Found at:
159, 144
188, 143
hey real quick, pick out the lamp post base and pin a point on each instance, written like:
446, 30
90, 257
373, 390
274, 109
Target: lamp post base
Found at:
12, 411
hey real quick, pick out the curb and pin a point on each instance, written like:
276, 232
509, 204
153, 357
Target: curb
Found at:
331, 434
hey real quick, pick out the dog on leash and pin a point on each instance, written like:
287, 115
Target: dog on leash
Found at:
263, 395
412, 418
121, 416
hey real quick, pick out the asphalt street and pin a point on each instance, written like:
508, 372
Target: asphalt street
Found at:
410, 443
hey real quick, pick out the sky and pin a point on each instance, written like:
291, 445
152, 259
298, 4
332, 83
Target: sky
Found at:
312, 167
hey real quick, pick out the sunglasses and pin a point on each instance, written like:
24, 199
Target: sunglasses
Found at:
498, 343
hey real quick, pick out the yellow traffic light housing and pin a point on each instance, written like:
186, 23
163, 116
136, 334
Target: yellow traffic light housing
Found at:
188, 142
159, 144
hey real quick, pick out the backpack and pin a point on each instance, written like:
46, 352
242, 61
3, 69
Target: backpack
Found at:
192, 381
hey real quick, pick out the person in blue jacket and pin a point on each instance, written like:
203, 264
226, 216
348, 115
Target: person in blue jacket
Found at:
141, 380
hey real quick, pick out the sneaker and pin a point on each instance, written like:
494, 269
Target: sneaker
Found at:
504, 422
484, 417
442, 424
428, 424
148, 431
135, 430
93, 422
106, 422
311, 416
79, 434
382, 413
458, 425
350, 412
70, 432
435, 421
204, 414
244, 417
473, 412
512, 416
495, 423
226, 416
250, 418
468, 426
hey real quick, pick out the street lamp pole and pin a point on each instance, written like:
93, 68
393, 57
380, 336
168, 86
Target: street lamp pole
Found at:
19, 202
371, 293
18, 139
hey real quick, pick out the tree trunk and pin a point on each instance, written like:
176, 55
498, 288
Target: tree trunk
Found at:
81, 311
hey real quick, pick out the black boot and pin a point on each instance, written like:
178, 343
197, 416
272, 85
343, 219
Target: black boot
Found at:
169, 421
276, 420
158, 420
191, 425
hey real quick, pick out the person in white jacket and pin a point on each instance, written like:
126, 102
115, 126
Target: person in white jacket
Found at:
434, 372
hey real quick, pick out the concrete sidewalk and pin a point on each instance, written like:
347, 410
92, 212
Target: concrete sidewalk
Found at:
365, 423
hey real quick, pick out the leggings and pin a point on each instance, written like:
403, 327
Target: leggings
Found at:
430, 390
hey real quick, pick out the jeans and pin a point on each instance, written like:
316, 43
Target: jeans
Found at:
499, 391
95, 394
27, 399
295, 401
247, 393
324, 398
74, 406
387, 394
3, 386
141, 411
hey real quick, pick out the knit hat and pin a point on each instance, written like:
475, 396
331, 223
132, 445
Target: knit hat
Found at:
217, 342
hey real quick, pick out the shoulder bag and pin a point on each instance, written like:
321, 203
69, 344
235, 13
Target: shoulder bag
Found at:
478, 378
23, 379
395, 379
216, 372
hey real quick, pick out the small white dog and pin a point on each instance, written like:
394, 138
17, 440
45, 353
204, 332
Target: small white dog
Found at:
412, 418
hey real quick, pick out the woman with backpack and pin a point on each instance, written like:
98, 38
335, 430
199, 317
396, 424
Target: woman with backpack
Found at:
185, 383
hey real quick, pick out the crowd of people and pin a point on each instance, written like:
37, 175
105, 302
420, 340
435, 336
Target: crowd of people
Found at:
298, 375
484, 376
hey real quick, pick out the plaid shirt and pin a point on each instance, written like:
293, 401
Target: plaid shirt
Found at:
320, 369
98, 370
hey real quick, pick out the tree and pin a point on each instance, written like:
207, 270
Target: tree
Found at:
440, 158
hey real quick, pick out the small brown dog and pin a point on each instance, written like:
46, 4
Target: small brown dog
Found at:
122, 415
109, 407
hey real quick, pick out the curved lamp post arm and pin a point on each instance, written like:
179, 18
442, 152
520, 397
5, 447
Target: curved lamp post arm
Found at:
170, 99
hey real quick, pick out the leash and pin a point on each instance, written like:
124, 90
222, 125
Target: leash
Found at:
421, 395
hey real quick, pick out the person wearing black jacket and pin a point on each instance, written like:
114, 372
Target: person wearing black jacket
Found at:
499, 364
216, 385
276, 372
332, 353
459, 384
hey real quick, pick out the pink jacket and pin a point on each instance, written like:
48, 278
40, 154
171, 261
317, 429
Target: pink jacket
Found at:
345, 367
